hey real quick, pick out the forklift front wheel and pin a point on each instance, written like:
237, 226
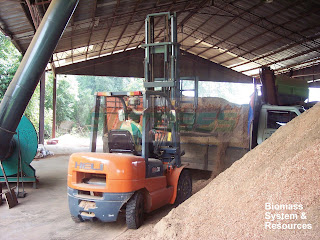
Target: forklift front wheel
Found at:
135, 211
184, 188
77, 219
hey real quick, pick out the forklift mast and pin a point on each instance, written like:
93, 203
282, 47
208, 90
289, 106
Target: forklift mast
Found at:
161, 49
163, 90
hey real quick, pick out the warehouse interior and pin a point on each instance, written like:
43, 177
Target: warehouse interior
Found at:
238, 41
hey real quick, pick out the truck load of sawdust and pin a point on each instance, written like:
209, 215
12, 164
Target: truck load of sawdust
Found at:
273, 192
213, 135
217, 120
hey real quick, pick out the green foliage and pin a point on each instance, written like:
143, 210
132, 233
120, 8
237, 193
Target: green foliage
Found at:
10, 59
9, 63
32, 110
67, 96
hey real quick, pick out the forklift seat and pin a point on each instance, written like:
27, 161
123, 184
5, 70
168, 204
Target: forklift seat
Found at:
121, 141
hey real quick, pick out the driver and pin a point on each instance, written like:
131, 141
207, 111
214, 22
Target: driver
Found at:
133, 123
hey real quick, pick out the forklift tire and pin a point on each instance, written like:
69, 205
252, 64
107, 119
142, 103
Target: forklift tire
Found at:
77, 219
184, 188
135, 211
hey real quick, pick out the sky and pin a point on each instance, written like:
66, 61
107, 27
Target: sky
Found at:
314, 94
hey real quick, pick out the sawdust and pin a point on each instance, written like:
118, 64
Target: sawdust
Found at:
285, 169
219, 126
229, 124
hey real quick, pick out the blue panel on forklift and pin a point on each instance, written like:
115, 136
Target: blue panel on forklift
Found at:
106, 208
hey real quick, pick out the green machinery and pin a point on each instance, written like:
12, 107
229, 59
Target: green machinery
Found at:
18, 164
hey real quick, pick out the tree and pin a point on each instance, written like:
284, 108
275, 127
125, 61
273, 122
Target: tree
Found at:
10, 59
67, 96
9, 62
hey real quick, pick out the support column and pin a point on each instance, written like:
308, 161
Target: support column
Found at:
95, 123
54, 103
41, 110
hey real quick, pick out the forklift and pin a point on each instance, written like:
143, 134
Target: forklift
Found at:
141, 171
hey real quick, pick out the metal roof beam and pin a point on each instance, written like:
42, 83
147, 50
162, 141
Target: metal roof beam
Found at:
192, 13
310, 64
134, 36
263, 45
188, 17
7, 32
226, 24
276, 25
250, 25
83, 54
139, 29
93, 15
201, 25
27, 14
71, 39
267, 30
35, 14
42, 3
109, 28
287, 58
171, 6
143, 12
317, 36
126, 26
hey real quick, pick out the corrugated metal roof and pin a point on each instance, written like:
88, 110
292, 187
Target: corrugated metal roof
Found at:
239, 34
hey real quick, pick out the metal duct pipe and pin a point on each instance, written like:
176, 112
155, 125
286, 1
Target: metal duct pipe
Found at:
31, 68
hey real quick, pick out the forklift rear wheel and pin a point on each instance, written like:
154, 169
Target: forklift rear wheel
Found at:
77, 219
135, 211
184, 189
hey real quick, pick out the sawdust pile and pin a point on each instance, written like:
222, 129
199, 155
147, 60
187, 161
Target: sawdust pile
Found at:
285, 169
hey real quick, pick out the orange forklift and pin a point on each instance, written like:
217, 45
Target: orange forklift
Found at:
128, 178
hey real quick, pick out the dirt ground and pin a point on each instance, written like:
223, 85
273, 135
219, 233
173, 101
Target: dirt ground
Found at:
44, 213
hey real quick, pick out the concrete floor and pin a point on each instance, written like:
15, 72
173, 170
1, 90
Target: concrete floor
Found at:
44, 213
